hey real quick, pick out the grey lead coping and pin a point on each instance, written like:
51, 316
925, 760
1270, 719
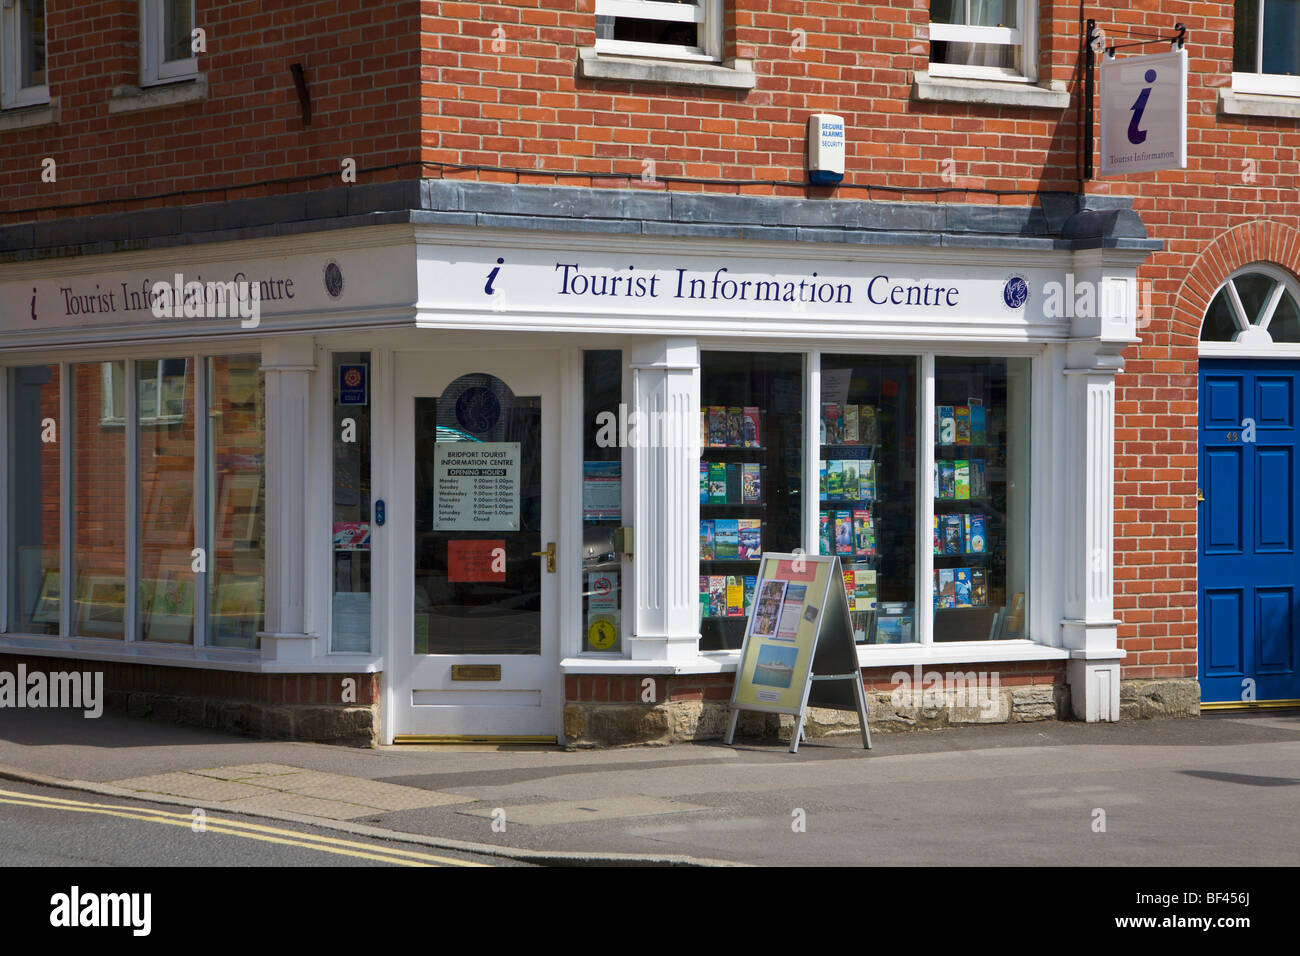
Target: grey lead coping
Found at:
1057, 221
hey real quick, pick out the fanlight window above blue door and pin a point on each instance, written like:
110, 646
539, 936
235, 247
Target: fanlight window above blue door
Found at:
1254, 309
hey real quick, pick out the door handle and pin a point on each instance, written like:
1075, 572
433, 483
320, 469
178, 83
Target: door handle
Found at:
550, 556
1199, 495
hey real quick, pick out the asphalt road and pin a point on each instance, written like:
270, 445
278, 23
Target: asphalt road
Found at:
1221, 791
45, 826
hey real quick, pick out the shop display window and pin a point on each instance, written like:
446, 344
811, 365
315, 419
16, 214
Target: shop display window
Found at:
34, 520
196, 482
602, 500
868, 490
981, 503
350, 531
164, 411
99, 520
236, 500
751, 478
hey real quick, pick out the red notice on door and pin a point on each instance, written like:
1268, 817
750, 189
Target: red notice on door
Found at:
476, 561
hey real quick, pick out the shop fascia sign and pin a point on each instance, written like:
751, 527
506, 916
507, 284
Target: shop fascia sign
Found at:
227, 295
1143, 113
523, 280
203, 294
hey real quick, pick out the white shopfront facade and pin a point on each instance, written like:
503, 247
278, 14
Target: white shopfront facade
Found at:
483, 336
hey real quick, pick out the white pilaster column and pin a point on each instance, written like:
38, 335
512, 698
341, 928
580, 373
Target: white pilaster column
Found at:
1094, 356
287, 364
666, 501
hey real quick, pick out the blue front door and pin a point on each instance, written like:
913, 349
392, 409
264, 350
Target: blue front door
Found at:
1249, 559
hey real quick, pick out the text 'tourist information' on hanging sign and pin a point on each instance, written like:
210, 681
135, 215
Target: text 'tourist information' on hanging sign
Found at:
476, 487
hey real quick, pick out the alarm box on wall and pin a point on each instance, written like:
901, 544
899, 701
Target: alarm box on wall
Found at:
825, 149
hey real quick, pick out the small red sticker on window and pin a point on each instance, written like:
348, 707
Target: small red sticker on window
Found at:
469, 561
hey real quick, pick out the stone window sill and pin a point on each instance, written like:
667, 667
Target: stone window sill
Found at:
29, 117
952, 89
1233, 103
732, 74
132, 99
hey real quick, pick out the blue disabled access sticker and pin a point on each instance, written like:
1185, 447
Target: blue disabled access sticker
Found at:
352, 385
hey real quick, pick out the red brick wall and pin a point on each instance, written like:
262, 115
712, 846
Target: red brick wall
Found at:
1194, 212
523, 107
360, 59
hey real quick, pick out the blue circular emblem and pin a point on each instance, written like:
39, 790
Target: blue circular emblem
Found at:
1016, 292
333, 280
477, 409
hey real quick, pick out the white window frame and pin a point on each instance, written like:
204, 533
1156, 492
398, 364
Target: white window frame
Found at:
1023, 39
706, 13
153, 69
13, 96
1268, 84
112, 415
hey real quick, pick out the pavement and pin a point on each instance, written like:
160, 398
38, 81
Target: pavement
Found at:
1221, 790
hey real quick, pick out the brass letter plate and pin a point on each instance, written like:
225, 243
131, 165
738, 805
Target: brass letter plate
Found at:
475, 671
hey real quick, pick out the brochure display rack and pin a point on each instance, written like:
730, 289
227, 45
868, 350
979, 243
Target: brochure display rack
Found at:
970, 529
733, 484
867, 489
850, 436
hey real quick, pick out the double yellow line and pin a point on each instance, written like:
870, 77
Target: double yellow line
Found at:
249, 831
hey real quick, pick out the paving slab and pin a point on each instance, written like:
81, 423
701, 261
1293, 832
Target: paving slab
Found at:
585, 811
247, 771
337, 795
190, 785
307, 806
384, 796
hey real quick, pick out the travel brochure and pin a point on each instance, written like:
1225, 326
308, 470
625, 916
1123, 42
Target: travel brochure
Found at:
960, 425
960, 480
726, 595
779, 609
731, 483
847, 533
852, 479
731, 539
860, 587
960, 587
849, 424
723, 426
959, 534
894, 623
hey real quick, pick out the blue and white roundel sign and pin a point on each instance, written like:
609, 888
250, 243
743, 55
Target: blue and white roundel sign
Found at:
1015, 293
477, 409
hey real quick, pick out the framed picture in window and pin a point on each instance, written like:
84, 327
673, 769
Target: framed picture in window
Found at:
242, 383
33, 565
170, 502
49, 599
237, 610
102, 607
169, 604
241, 498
